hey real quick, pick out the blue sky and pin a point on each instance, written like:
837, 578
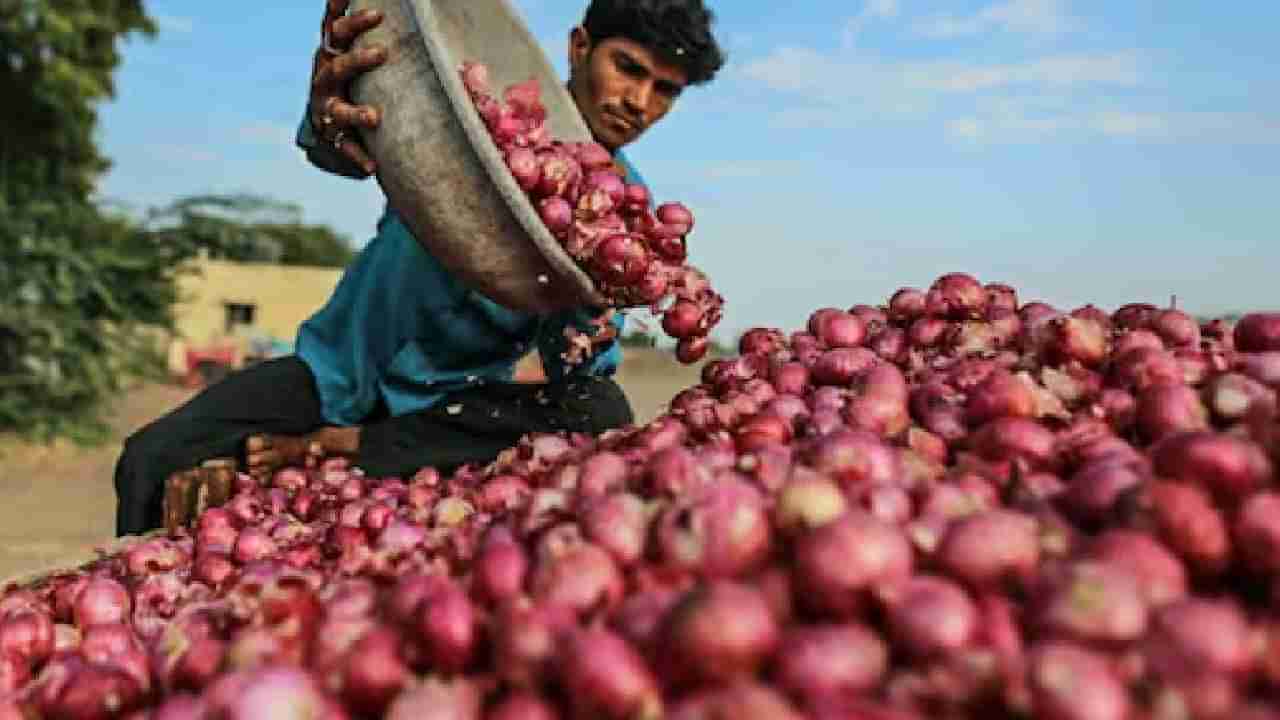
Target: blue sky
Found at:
1084, 151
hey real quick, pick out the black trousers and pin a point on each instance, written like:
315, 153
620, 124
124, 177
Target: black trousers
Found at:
279, 397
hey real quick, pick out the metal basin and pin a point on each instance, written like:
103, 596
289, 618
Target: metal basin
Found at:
436, 163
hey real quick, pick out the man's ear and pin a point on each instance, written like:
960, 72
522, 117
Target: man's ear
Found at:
579, 47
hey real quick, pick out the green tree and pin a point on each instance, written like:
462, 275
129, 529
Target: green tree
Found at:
81, 295
250, 228
79, 289
57, 61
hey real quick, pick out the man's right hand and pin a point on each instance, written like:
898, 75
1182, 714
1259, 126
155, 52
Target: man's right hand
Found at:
333, 116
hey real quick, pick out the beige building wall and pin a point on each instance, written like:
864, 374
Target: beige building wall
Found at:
282, 298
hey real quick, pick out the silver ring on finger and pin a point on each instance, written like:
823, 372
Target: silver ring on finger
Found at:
339, 138
328, 46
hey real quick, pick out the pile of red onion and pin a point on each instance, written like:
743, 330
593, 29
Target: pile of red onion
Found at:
635, 253
953, 505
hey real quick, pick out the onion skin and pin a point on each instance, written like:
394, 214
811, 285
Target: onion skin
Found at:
988, 548
719, 632
816, 662
606, 678
1071, 683
933, 616
841, 562
1258, 332
1230, 467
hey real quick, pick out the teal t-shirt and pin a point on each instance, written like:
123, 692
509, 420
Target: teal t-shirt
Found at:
400, 329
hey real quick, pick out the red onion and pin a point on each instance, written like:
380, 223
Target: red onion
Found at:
373, 672
855, 457
718, 632
27, 635
988, 547
677, 215
1257, 531
446, 627
838, 563
1231, 396
956, 296
436, 699
606, 678
1258, 332
1170, 408
838, 329
1228, 466
762, 431
933, 616
1071, 683
808, 502
96, 691
635, 199
683, 320
692, 349
1263, 367
523, 706
276, 691
1186, 519
1094, 602
817, 662
1016, 439
1079, 339
1097, 487
1001, 394
101, 601
584, 578
926, 332
618, 523
1199, 636
15, 673
742, 701
719, 530
1176, 328
1160, 575
253, 544
906, 305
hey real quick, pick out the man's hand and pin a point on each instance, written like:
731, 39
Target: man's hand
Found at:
334, 117
188, 493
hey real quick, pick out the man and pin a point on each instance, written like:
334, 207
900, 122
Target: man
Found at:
405, 367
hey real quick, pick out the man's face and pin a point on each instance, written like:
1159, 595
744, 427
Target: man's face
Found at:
620, 86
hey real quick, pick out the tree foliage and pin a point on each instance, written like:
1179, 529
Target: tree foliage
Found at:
80, 296
250, 228
57, 61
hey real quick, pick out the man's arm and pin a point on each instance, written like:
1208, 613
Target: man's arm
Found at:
553, 343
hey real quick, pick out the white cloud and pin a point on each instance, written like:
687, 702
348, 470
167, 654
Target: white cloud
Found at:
873, 10
1036, 17
1121, 69
830, 78
174, 23
1014, 120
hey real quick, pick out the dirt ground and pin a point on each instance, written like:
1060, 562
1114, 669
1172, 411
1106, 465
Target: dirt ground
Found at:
58, 502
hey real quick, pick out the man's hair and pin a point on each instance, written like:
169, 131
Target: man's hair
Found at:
678, 30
